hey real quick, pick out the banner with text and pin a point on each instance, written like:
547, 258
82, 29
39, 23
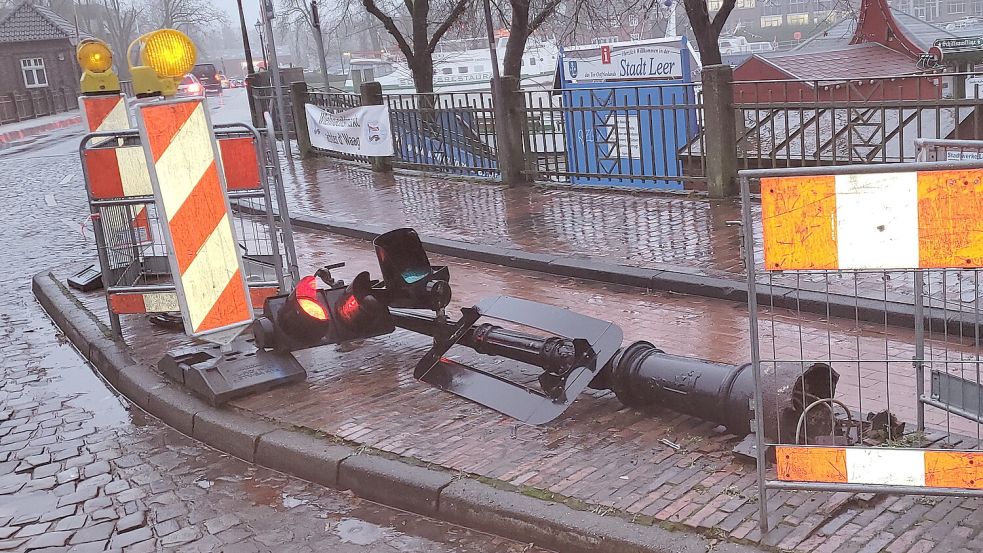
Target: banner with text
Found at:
360, 131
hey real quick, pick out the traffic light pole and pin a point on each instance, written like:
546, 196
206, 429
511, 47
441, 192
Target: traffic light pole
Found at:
644, 377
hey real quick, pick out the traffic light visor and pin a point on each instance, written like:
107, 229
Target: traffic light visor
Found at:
94, 56
306, 294
169, 53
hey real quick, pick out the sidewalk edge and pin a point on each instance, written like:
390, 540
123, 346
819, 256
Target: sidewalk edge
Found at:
10, 136
429, 492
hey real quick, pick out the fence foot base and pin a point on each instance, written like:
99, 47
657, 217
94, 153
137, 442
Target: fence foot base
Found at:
218, 377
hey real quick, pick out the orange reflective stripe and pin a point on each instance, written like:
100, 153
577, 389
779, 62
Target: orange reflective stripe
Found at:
102, 170
811, 464
950, 219
798, 216
239, 163
168, 119
954, 469
228, 307
197, 218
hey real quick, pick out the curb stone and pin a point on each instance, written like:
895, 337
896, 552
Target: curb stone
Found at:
435, 493
10, 136
671, 278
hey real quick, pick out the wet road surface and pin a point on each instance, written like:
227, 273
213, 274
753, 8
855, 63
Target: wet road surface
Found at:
83, 470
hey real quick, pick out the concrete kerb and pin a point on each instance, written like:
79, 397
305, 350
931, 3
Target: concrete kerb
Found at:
427, 491
897, 310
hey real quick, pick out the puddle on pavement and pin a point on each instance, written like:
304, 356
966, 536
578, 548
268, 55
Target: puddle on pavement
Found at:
360, 532
67, 375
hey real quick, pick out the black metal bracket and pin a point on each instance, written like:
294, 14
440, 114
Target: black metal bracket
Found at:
594, 341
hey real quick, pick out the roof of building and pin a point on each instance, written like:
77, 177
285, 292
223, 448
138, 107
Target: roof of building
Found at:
856, 61
920, 32
29, 22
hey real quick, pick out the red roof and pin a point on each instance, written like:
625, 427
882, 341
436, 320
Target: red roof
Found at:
848, 62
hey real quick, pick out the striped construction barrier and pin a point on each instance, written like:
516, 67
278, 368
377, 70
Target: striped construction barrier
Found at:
135, 303
881, 466
116, 172
105, 112
913, 220
190, 195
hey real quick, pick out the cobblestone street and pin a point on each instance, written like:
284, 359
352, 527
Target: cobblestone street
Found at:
83, 470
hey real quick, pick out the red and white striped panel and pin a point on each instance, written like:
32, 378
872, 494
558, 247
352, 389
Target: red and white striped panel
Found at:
924, 219
131, 303
881, 465
184, 168
105, 113
117, 172
239, 163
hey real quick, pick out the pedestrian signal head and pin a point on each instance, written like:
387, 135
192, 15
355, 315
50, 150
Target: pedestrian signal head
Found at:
165, 57
96, 60
409, 279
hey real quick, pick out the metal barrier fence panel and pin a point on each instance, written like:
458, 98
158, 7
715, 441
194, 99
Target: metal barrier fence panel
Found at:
129, 233
846, 402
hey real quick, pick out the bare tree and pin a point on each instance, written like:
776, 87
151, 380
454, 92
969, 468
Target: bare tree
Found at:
185, 15
706, 29
419, 46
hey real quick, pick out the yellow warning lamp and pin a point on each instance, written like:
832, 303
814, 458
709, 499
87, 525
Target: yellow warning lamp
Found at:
96, 60
166, 56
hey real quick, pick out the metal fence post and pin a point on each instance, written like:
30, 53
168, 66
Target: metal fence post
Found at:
298, 99
371, 93
720, 131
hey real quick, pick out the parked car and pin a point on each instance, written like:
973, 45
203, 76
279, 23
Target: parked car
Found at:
190, 86
224, 81
238, 83
208, 76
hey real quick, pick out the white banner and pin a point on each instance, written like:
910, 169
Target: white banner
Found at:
361, 131
616, 62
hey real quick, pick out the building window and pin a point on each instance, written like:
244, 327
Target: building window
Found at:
771, 21
532, 61
636, 36
714, 5
932, 9
479, 68
798, 19
957, 7
34, 75
633, 20
977, 7
744, 4
606, 40
447, 70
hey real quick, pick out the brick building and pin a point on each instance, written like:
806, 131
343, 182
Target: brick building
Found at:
38, 71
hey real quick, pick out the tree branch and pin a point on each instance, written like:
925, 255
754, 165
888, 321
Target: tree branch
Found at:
458, 10
543, 15
391, 28
721, 17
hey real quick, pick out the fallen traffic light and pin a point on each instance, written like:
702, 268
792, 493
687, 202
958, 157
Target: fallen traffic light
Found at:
409, 279
309, 316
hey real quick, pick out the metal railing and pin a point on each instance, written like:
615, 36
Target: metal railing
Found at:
639, 136
824, 122
18, 106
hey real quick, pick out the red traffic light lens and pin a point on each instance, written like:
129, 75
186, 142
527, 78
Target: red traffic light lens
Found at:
306, 294
348, 309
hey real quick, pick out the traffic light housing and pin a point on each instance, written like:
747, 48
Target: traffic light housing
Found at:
165, 57
409, 280
96, 60
309, 316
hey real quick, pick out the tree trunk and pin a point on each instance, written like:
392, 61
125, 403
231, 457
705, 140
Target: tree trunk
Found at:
422, 69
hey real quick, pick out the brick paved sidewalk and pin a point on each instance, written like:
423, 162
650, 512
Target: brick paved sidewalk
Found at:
599, 455
674, 233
